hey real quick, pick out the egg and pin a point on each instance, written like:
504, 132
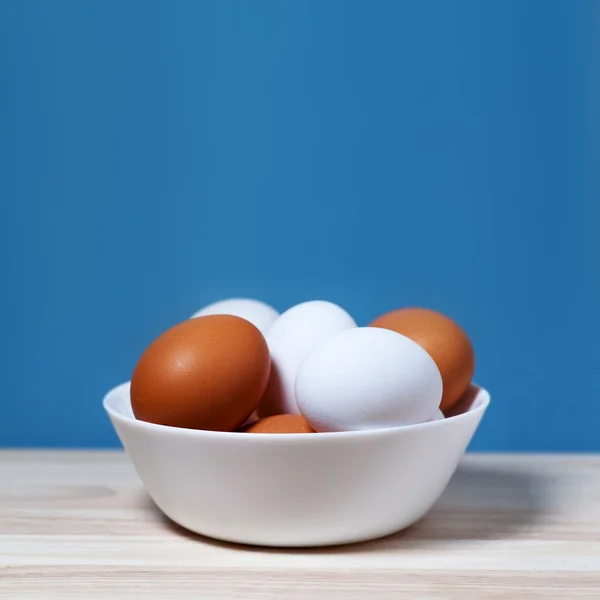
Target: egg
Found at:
281, 424
295, 333
438, 415
464, 403
443, 339
367, 378
261, 315
205, 373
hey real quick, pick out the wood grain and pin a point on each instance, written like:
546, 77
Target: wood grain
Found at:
79, 525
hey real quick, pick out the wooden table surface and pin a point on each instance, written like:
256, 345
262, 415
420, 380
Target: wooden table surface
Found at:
79, 525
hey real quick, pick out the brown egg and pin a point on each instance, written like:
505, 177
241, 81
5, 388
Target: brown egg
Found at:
280, 424
443, 339
205, 373
464, 403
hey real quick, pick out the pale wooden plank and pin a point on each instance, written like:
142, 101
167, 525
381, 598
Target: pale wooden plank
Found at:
78, 524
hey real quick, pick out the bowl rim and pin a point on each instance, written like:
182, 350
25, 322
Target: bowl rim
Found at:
479, 406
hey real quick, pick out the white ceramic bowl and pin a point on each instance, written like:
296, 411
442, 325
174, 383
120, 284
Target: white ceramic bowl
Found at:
295, 489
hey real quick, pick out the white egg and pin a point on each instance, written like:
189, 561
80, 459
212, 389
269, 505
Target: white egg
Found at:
295, 333
438, 415
261, 315
367, 378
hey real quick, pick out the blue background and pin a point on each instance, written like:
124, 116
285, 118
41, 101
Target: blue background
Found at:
156, 156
